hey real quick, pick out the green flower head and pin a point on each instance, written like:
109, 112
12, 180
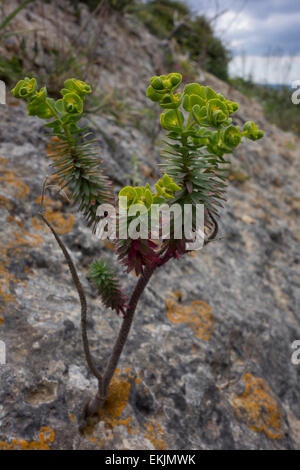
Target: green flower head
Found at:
137, 195
232, 136
76, 86
162, 85
251, 131
172, 121
73, 103
25, 88
217, 112
166, 187
169, 102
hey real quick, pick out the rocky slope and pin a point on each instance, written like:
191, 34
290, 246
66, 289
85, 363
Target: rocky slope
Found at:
208, 363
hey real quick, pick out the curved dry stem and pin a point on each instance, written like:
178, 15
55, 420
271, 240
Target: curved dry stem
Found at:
79, 289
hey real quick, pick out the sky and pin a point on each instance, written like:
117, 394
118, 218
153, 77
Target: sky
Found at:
263, 35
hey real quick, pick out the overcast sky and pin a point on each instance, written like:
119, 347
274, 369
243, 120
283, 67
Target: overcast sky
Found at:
264, 36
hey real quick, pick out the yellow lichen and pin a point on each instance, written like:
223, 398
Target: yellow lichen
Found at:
46, 436
198, 315
4, 202
111, 414
116, 401
257, 408
15, 186
13, 245
154, 433
9, 250
139, 377
62, 223
10, 177
109, 245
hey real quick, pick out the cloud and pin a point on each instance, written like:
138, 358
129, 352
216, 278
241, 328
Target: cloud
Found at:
272, 70
255, 27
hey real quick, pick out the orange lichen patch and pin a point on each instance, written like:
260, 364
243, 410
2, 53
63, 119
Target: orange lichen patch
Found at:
5, 278
22, 236
139, 377
111, 414
19, 237
178, 294
109, 245
62, 223
198, 315
72, 418
13, 103
95, 441
116, 401
4, 202
46, 436
11, 178
154, 433
257, 408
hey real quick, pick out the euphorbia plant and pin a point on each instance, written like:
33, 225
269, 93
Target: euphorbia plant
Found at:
199, 132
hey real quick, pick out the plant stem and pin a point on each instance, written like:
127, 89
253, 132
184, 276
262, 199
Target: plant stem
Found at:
103, 380
101, 395
82, 299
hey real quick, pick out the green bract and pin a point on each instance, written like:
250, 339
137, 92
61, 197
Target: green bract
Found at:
199, 138
251, 131
172, 120
165, 188
25, 88
66, 111
71, 153
138, 195
161, 89
73, 103
217, 113
76, 86
232, 136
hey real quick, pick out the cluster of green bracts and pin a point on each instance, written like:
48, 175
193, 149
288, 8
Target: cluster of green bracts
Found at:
66, 111
206, 110
165, 189
72, 153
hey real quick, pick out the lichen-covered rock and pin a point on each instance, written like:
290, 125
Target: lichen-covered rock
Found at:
208, 362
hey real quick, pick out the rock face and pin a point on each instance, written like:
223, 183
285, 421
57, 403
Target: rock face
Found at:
208, 362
